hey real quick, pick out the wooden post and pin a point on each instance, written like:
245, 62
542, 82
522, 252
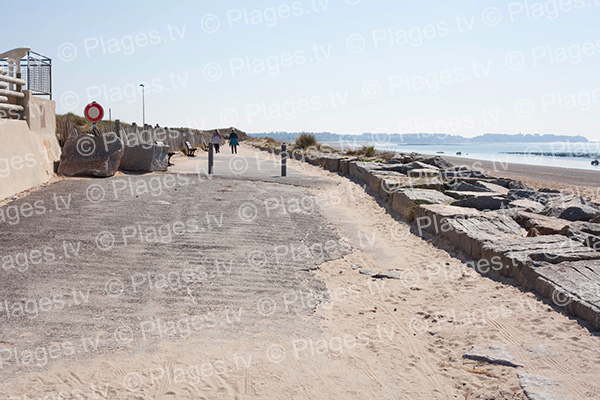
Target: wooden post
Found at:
210, 158
118, 128
283, 160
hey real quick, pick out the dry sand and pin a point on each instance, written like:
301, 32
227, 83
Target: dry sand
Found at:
384, 339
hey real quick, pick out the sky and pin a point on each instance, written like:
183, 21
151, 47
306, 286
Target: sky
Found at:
342, 66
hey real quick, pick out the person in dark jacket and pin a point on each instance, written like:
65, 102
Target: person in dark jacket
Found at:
233, 142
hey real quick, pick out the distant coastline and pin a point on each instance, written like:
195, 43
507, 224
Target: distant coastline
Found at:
422, 139
572, 152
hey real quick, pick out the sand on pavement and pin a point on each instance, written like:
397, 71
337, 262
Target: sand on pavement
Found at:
318, 330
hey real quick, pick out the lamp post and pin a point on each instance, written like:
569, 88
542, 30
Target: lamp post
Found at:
143, 106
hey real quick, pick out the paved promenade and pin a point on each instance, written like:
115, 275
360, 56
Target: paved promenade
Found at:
246, 285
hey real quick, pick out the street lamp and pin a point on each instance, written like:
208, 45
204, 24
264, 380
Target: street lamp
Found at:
143, 106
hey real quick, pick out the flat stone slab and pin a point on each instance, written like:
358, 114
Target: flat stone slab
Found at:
592, 228
494, 354
472, 234
389, 275
537, 387
573, 286
544, 224
527, 205
511, 255
391, 184
367, 272
417, 165
442, 210
465, 228
404, 201
492, 187
460, 195
361, 169
485, 202
460, 172
374, 178
422, 172
464, 186
530, 194
331, 162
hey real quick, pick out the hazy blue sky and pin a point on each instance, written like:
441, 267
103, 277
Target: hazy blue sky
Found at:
345, 66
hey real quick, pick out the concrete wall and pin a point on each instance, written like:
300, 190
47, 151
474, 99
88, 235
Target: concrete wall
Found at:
41, 116
28, 148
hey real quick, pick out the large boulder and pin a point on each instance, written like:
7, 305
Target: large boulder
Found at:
585, 238
145, 157
571, 207
400, 159
87, 155
587, 233
438, 162
519, 185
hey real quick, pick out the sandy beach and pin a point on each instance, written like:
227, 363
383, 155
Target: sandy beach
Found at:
285, 200
273, 304
538, 176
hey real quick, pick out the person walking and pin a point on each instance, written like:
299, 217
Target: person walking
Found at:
217, 140
233, 142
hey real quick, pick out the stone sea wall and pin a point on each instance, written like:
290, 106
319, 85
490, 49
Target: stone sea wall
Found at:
546, 240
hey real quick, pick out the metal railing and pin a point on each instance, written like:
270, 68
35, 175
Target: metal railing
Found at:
38, 74
21, 69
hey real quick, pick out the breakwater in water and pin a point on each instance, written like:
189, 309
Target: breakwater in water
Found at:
552, 154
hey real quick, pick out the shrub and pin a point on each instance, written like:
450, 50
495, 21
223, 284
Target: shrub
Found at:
367, 151
306, 140
387, 155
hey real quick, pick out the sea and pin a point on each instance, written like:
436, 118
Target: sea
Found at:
499, 152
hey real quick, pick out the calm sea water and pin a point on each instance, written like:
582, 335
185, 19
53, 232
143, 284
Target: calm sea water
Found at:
496, 152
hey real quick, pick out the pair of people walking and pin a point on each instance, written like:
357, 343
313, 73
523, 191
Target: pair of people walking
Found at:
217, 140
